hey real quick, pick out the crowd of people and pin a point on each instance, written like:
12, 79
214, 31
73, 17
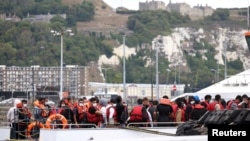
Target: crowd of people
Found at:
104, 113
83, 113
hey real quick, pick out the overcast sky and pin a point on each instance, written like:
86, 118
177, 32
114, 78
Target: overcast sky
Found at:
134, 4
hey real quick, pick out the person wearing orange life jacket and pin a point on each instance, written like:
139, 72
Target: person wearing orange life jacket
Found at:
206, 101
164, 111
86, 103
40, 110
62, 109
234, 104
94, 115
67, 110
59, 109
68, 102
26, 111
80, 113
24, 116
216, 104
136, 112
198, 110
111, 112
139, 112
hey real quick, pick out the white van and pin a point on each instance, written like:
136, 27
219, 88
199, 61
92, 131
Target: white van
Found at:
107, 95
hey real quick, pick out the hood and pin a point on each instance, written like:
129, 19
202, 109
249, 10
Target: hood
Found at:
103, 101
16, 101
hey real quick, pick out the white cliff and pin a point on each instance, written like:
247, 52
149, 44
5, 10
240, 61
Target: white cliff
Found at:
182, 39
118, 53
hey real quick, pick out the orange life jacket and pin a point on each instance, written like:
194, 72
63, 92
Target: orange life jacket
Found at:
174, 107
136, 114
211, 106
42, 107
81, 112
69, 104
198, 106
207, 104
93, 118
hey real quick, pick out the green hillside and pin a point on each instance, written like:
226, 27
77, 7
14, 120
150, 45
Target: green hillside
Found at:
24, 43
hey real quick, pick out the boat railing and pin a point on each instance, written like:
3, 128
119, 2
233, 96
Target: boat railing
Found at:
73, 126
153, 124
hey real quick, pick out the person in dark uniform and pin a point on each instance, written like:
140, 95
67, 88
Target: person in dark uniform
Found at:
198, 110
164, 111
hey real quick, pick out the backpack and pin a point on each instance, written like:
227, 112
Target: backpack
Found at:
124, 114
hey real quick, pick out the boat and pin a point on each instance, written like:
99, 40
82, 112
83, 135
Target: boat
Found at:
101, 134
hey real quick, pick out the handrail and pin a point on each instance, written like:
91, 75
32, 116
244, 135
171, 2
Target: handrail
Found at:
138, 129
145, 123
70, 125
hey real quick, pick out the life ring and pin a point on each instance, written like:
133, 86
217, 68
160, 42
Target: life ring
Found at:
32, 125
56, 117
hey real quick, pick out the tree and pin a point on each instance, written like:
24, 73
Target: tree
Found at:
220, 15
83, 12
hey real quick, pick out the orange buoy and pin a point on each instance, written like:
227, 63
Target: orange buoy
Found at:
56, 117
31, 126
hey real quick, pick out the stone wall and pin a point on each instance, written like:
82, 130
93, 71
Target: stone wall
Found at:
152, 5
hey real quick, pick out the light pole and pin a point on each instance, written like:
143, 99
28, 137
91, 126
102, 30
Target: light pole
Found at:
225, 59
61, 33
105, 73
157, 70
168, 71
215, 72
151, 69
218, 72
124, 70
12, 89
27, 94
175, 91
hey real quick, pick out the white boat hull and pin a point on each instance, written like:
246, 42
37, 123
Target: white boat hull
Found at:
112, 134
